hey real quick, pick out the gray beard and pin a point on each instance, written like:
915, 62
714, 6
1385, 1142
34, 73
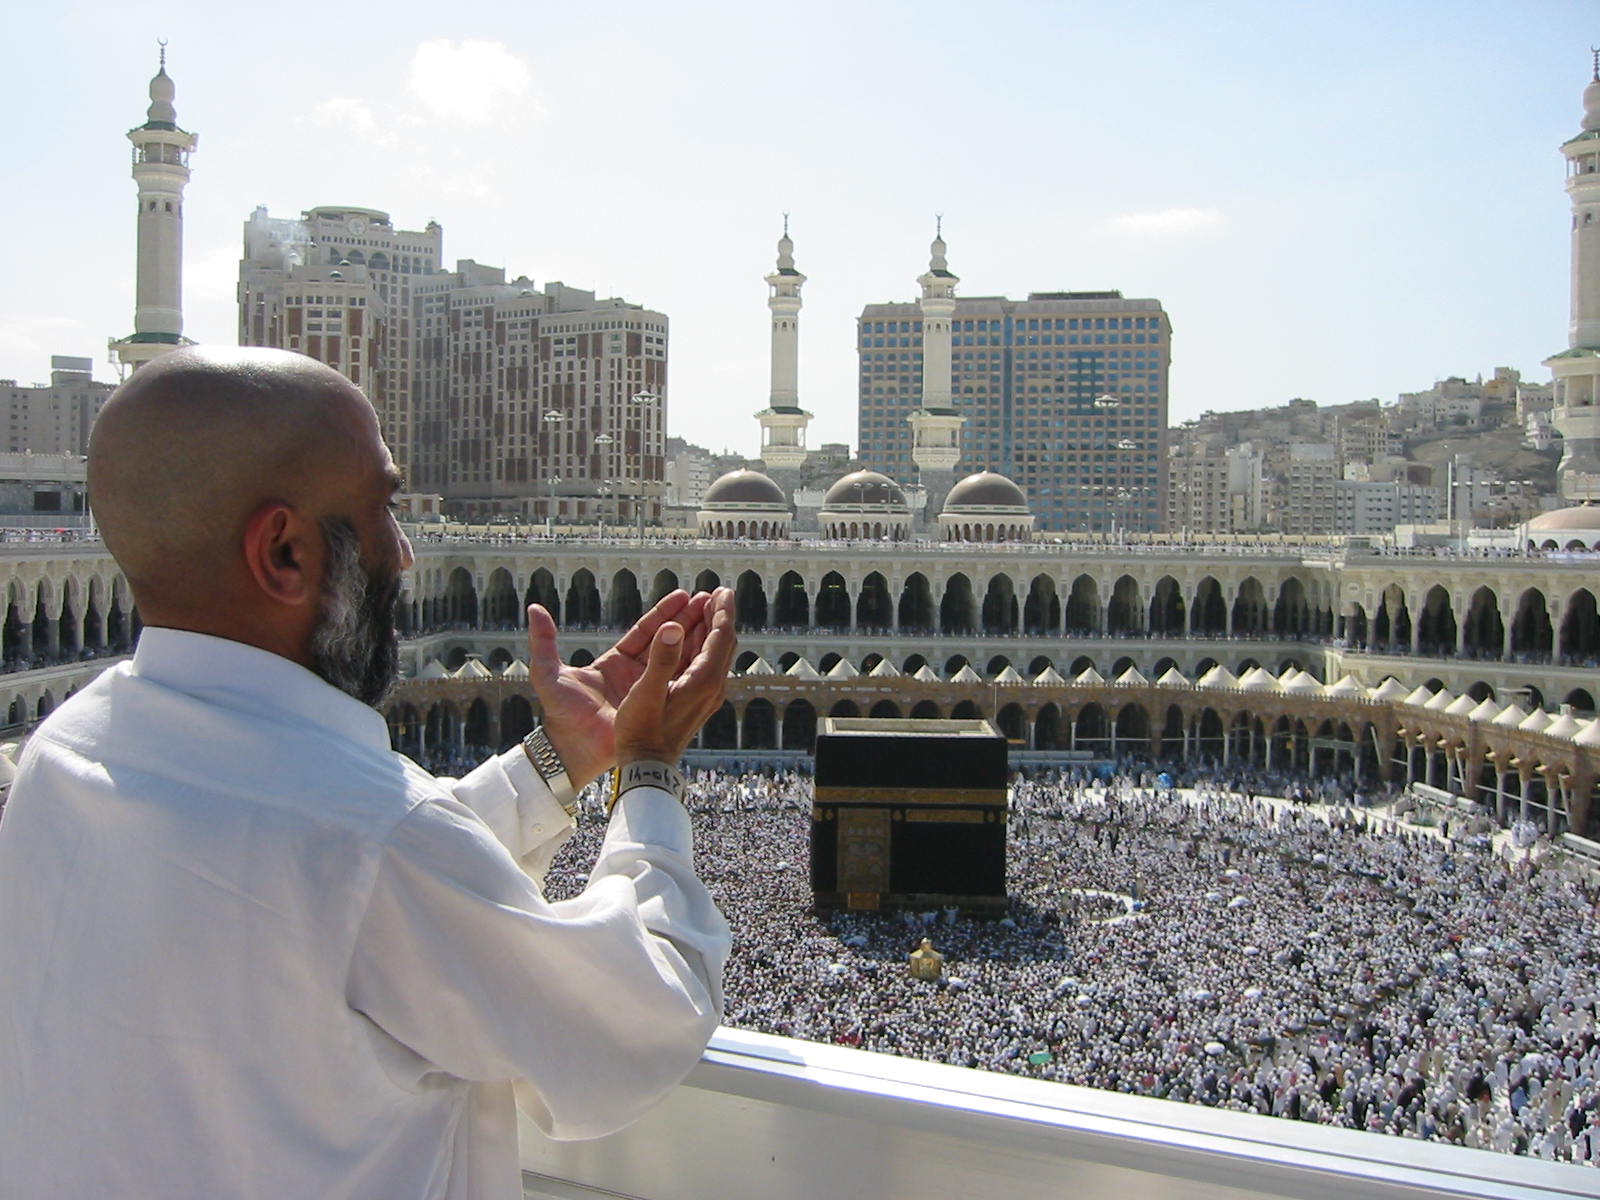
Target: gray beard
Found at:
354, 646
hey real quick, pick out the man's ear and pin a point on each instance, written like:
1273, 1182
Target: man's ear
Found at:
278, 550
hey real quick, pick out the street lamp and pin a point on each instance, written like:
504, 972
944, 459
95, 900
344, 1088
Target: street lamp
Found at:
552, 420
644, 400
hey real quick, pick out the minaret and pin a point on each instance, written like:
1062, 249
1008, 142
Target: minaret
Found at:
936, 426
161, 169
1577, 369
783, 421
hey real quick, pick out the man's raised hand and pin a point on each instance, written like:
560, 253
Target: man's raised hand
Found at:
580, 703
684, 682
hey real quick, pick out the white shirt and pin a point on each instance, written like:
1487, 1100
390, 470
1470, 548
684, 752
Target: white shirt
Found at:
246, 949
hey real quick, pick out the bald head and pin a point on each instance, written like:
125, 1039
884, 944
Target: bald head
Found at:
200, 439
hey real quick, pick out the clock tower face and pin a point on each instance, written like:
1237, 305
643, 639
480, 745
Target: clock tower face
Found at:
356, 225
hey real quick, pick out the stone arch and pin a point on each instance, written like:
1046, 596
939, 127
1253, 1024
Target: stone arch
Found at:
1048, 732
624, 605
1209, 615
1436, 623
461, 599
1391, 627
1125, 613
1041, 612
916, 608
721, 731
874, 608
800, 726
957, 611
1085, 614
1013, 724
999, 614
542, 591
1291, 615
1580, 629
662, 586
832, 608
1483, 633
1091, 730
1168, 613
750, 601
500, 609
1131, 731
583, 600
516, 719
760, 726
791, 605
1250, 613
1531, 635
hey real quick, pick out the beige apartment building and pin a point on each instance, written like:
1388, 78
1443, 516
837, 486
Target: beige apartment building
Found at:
503, 398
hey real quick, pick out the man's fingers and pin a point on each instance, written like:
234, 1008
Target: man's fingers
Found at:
665, 650
705, 678
544, 655
637, 640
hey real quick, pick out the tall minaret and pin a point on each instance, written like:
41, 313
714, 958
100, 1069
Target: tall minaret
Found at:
161, 169
1577, 369
936, 426
783, 421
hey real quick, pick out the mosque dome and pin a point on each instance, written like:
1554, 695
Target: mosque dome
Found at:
865, 488
985, 507
744, 504
1591, 107
986, 489
1580, 518
742, 488
1574, 528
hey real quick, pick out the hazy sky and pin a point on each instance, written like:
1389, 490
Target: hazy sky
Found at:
1332, 200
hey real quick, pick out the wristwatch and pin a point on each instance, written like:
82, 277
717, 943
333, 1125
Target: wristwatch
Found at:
551, 769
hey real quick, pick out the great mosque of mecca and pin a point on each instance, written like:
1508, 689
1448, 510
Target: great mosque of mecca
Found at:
1469, 671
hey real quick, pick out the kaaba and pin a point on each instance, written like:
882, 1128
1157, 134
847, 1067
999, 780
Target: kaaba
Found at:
909, 814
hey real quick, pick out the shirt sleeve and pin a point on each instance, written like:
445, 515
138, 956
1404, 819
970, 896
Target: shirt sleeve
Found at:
513, 800
595, 1006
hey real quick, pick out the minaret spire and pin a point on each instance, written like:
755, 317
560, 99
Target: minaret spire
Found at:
161, 170
783, 421
936, 426
1576, 412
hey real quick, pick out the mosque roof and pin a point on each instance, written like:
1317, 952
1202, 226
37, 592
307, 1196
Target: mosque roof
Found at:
863, 488
742, 489
1578, 518
985, 489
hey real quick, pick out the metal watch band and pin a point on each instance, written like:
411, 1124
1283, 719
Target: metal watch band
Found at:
645, 773
551, 769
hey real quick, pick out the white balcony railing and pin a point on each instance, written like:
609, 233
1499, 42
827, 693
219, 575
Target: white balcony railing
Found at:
776, 1119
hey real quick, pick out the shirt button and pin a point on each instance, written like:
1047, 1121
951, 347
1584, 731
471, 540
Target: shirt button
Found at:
538, 828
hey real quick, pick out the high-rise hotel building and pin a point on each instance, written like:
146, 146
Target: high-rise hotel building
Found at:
504, 398
1064, 392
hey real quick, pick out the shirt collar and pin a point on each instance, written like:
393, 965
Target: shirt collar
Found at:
245, 677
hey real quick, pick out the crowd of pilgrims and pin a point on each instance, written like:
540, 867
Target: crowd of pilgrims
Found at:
1310, 958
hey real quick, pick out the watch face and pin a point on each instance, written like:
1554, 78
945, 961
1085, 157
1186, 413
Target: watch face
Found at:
356, 225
